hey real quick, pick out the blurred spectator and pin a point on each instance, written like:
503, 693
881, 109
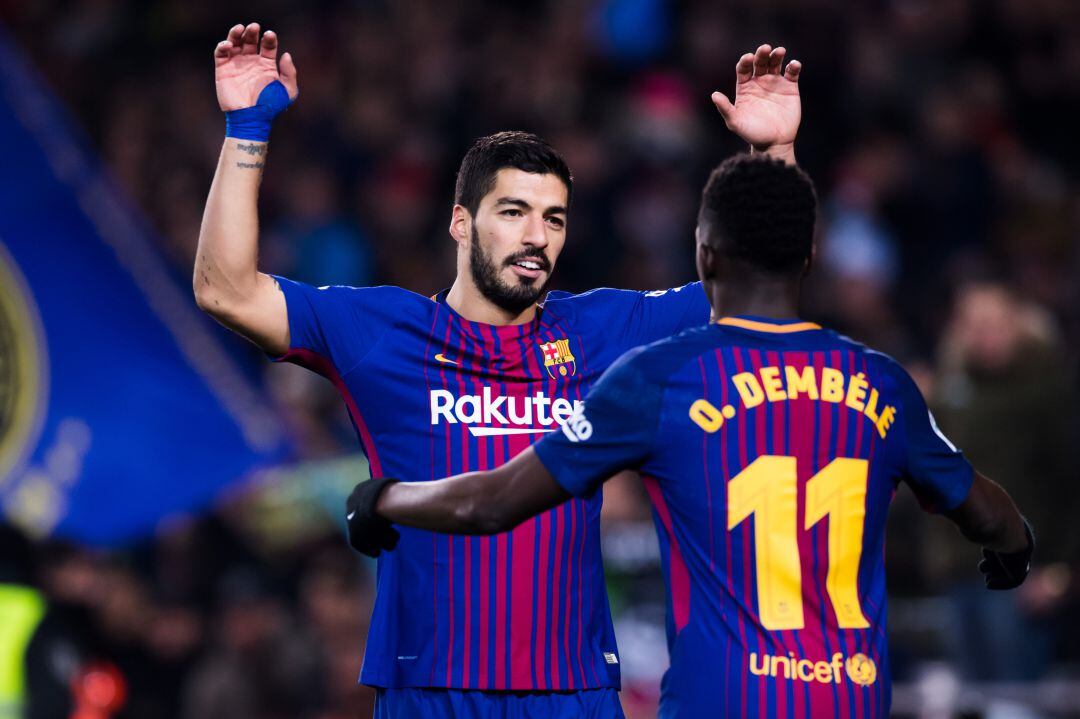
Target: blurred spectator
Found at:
258, 667
1004, 395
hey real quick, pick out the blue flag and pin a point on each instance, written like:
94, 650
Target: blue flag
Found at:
118, 406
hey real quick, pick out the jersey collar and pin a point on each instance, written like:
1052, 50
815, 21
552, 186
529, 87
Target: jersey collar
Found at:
763, 324
504, 332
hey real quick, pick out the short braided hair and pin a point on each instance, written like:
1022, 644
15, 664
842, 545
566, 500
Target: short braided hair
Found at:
760, 211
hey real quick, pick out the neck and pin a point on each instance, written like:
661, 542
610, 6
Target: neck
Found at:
468, 302
770, 297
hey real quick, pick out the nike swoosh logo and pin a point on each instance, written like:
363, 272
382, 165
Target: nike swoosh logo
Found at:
440, 358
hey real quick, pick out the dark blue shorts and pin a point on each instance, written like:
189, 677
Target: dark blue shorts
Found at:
412, 703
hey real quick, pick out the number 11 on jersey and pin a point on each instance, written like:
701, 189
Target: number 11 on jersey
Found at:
768, 489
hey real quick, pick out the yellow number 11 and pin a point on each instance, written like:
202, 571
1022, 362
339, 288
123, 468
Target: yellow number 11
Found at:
768, 488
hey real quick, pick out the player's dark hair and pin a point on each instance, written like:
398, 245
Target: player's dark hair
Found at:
521, 150
760, 211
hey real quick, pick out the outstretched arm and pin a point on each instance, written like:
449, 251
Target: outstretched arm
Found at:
767, 108
478, 502
227, 283
475, 503
614, 429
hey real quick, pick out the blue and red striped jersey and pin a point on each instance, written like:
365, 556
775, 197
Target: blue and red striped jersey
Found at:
770, 452
432, 394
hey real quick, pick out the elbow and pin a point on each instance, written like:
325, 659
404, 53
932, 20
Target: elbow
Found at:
211, 302
205, 297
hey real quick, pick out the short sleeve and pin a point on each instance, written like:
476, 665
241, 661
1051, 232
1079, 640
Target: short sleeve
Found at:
337, 324
613, 430
635, 318
936, 470
663, 313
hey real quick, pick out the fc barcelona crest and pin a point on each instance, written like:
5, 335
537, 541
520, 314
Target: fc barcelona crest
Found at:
558, 358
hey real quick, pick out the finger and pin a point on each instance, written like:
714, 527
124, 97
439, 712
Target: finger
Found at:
776, 60
744, 69
793, 69
268, 47
723, 104
761, 60
236, 34
222, 52
250, 39
288, 75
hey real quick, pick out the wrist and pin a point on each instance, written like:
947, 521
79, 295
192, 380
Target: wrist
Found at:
1028, 545
1016, 544
384, 499
247, 125
784, 151
254, 123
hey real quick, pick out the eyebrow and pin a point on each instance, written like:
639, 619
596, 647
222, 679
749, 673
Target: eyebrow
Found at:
522, 204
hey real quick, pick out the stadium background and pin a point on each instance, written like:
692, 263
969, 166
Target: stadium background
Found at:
941, 136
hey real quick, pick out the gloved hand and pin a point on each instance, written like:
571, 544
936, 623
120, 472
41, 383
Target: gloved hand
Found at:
369, 533
1007, 570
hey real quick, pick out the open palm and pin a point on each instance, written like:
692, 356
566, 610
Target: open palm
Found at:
767, 108
243, 67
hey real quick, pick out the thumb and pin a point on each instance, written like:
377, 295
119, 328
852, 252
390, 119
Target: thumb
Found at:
288, 75
723, 104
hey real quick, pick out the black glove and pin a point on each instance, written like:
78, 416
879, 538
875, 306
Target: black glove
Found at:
1007, 570
369, 533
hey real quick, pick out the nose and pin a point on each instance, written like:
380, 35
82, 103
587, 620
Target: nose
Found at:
535, 232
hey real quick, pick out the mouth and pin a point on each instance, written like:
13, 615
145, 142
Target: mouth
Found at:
529, 267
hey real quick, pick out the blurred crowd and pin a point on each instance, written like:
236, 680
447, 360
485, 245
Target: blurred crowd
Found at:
204, 622
941, 136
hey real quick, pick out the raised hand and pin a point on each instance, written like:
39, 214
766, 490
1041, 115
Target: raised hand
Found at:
767, 108
243, 67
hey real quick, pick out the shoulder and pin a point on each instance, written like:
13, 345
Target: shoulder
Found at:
609, 299
382, 298
566, 303
655, 363
879, 364
379, 293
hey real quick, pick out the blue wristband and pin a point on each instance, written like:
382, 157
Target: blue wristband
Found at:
253, 123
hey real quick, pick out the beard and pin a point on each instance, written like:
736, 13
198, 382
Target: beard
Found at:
515, 298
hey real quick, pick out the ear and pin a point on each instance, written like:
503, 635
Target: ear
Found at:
460, 226
706, 262
810, 260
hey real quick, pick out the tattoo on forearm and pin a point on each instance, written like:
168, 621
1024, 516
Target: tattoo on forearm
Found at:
250, 165
251, 148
